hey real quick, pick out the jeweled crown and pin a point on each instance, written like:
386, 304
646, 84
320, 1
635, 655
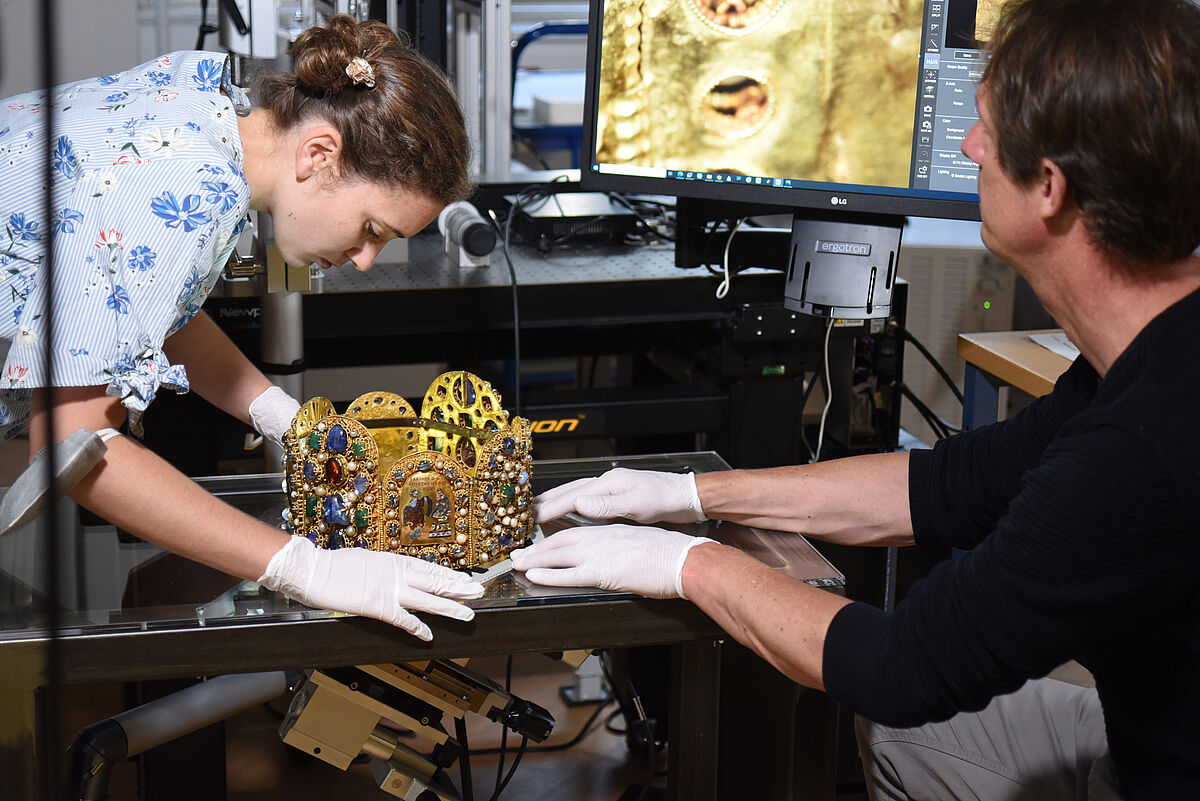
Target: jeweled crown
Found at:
450, 486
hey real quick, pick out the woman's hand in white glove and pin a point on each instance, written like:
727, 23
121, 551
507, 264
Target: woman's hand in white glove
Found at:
370, 583
272, 412
647, 561
646, 496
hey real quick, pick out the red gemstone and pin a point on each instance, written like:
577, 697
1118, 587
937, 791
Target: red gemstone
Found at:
467, 453
333, 471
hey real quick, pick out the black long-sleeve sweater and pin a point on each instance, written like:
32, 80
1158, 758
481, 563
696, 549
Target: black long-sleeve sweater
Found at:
1079, 517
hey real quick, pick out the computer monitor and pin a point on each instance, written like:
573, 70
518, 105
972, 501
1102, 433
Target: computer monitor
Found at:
846, 113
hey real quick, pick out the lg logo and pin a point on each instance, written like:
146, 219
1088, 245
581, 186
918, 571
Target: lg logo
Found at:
837, 201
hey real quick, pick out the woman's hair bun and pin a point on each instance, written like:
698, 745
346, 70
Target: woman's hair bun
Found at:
322, 53
400, 124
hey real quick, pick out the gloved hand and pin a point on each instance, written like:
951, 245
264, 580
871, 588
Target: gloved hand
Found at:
369, 583
647, 561
271, 413
646, 496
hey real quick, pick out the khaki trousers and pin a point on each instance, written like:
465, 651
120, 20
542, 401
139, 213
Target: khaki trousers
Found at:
1043, 742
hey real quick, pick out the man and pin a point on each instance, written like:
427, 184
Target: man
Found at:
1077, 515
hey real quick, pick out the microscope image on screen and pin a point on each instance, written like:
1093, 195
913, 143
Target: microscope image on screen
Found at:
970, 23
815, 90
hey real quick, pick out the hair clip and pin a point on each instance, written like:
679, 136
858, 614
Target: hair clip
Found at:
360, 71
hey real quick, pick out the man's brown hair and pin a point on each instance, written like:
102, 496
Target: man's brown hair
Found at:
1109, 90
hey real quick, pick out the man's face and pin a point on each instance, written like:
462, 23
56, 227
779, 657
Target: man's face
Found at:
1004, 205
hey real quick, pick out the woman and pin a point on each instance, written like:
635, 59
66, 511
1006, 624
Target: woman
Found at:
154, 170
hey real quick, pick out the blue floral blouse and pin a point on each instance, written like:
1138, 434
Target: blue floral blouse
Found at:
148, 201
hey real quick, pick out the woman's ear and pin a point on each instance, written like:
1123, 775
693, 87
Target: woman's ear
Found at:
319, 149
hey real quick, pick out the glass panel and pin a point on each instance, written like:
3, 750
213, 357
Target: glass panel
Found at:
113, 582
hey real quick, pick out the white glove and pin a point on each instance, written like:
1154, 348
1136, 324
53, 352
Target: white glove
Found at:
272, 412
369, 583
647, 561
646, 496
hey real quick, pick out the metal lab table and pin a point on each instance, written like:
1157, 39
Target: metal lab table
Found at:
173, 618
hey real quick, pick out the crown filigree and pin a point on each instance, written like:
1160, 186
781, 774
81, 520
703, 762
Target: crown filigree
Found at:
451, 485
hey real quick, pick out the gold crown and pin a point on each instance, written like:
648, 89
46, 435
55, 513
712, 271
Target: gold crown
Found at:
450, 486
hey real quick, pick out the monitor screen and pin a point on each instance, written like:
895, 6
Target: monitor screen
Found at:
854, 105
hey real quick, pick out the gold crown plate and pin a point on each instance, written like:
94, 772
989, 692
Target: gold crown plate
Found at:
450, 486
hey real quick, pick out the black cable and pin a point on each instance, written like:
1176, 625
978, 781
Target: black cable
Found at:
504, 730
513, 769
584, 731
512, 274
205, 28
525, 196
619, 198
636, 700
464, 761
608, 722
940, 427
936, 364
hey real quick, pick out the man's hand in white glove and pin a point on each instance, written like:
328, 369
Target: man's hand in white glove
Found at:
646, 496
370, 583
272, 412
647, 561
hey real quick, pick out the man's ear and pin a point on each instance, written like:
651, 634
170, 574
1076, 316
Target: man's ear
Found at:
319, 149
1054, 190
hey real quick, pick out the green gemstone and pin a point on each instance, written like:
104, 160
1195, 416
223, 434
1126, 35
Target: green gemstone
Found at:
314, 441
360, 518
310, 506
507, 493
359, 449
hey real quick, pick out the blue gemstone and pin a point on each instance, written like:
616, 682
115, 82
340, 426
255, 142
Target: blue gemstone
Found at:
429, 556
523, 477
337, 439
505, 540
470, 393
450, 471
335, 541
424, 465
311, 537
310, 470
393, 528
489, 518
360, 484
335, 512
508, 446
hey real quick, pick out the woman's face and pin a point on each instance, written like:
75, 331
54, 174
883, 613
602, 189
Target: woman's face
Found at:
330, 222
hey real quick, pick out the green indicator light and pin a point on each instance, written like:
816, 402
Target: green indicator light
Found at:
774, 369
987, 304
